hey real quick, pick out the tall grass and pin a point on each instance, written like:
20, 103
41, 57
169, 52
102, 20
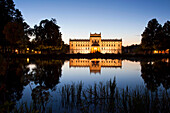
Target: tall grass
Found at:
106, 97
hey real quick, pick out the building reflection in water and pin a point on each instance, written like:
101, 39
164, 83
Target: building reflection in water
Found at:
96, 64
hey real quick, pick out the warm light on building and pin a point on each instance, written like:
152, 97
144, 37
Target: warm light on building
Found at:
95, 64
35, 52
155, 51
16, 50
161, 51
28, 60
95, 44
28, 49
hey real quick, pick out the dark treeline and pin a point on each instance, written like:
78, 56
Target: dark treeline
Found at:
13, 29
156, 36
15, 33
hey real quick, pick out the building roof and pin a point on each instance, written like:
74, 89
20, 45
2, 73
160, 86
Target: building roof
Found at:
79, 40
111, 39
95, 35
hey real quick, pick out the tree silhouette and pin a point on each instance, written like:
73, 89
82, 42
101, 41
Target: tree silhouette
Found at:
150, 35
11, 23
47, 33
166, 31
14, 32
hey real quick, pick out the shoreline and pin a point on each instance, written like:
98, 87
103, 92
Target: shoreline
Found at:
88, 56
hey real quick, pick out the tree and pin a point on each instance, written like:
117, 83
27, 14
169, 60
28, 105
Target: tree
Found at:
166, 31
7, 10
14, 32
47, 33
11, 23
149, 38
158, 39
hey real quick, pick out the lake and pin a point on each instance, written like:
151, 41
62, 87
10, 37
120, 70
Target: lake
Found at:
40, 81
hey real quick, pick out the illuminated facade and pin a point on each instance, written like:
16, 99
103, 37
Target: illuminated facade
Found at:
96, 64
95, 44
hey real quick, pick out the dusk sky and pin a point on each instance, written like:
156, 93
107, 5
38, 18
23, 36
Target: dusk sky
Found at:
124, 19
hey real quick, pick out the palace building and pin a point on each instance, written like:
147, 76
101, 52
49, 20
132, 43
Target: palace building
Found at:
95, 65
95, 44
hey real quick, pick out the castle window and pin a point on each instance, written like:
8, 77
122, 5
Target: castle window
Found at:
76, 44
72, 44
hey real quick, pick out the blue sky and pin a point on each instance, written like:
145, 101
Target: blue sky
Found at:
124, 19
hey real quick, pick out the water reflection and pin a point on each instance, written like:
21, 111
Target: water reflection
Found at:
12, 82
96, 64
45, 76
17, 74
42, 77
155, 73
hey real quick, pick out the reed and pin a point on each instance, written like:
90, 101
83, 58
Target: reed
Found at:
106, 97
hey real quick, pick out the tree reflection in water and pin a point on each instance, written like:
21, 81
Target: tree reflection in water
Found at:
15, 75
11, 82
46, 75
156, 73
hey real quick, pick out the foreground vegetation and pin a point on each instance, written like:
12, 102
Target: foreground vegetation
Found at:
103, 97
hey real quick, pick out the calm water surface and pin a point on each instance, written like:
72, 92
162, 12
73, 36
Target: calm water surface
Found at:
36, 78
